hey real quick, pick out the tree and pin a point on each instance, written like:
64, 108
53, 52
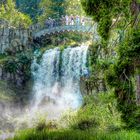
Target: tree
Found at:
124, 16
74, 7
52, 8
2, 2
9, 13
30, 8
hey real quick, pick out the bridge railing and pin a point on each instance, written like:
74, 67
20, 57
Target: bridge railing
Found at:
53, 24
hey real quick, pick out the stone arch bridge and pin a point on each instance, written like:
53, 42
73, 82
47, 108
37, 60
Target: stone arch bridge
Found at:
42, 31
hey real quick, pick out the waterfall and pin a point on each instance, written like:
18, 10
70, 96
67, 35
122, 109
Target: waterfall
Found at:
57, 79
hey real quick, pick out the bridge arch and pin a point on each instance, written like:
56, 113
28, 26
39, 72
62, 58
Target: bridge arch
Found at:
60, 27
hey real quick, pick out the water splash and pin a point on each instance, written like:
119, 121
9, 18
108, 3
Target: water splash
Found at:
56, 89
57, 80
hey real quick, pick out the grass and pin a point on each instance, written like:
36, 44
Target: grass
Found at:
98, 113
97, 119
32, 134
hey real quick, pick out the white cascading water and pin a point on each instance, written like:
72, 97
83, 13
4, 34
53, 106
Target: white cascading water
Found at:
57, 80
56, 89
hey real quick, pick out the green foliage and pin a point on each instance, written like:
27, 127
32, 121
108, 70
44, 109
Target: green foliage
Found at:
74, 7
103, 11
41, 125
52, 135
19, 19
19, 64
10, 65
104, 27
99, 62
57, 8
97, 119
130, 48
30, 8
51, 8
76, 135
98, 113
117, 14
120, 75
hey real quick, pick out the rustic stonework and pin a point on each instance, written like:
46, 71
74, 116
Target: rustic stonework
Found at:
10, 36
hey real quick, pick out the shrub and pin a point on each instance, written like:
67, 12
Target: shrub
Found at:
98, 112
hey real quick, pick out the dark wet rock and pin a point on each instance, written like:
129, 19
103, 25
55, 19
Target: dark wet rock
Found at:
14, 39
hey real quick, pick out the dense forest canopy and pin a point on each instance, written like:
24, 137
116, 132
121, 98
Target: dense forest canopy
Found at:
43, 9
8, 9
53, 9
59, 8
29, 7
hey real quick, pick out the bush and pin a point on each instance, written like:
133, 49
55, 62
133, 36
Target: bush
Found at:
98, 112
41, 126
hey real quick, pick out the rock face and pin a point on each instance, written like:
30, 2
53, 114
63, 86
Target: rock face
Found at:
10, 36
11, 77
13, 40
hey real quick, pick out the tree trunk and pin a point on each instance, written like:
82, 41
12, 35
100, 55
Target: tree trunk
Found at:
135, 11
138, 89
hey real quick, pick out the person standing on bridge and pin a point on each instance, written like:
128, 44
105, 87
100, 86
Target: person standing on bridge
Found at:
50, 22
62, 20
83, 21
71, 20
77, 20
67, 19
47, 23
53, 23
